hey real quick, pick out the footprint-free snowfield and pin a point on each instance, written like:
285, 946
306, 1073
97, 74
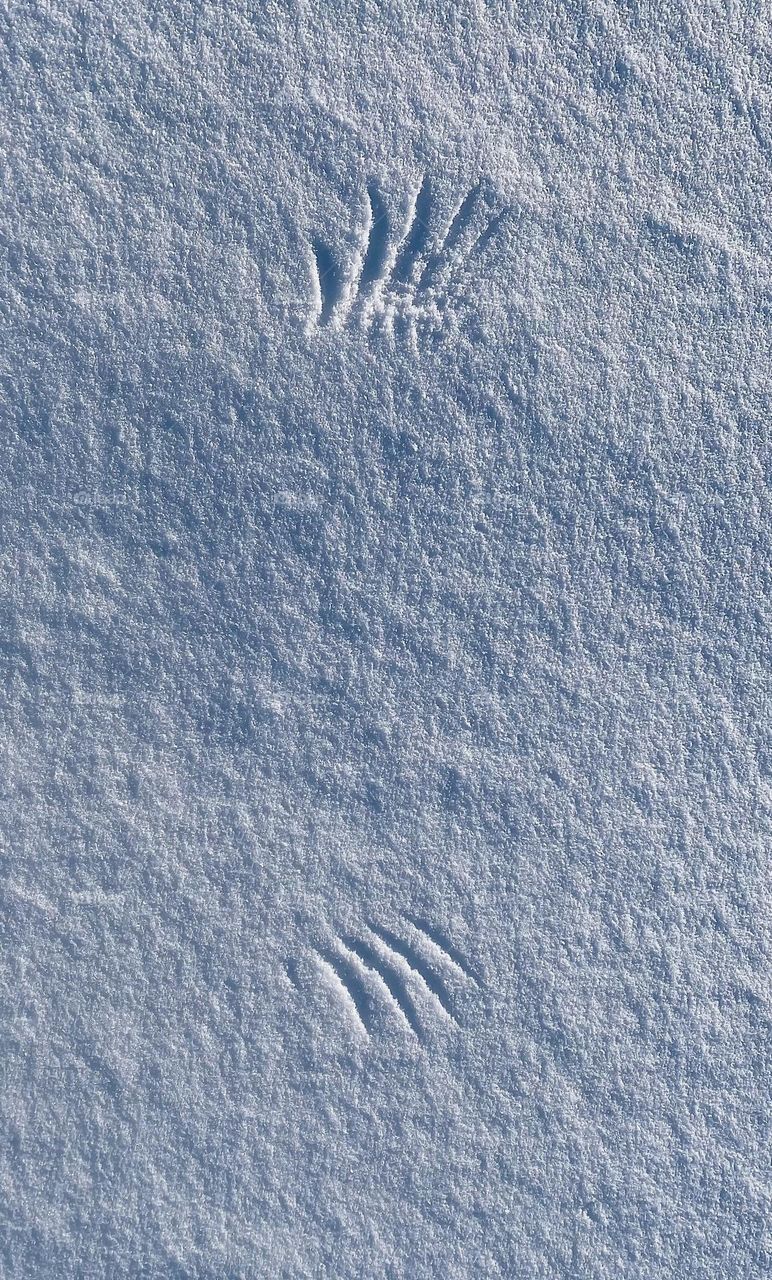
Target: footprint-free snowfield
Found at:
385, 641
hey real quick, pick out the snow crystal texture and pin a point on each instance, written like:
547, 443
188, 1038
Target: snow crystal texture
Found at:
385, 639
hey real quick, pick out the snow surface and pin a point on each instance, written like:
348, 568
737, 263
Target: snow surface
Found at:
386, 757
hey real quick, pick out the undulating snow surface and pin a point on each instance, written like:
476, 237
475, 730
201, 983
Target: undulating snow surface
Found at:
385, 639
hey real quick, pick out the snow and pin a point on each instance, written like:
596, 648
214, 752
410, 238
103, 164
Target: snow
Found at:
385, 640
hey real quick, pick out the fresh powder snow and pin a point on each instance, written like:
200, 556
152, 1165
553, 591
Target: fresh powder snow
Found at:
385, 640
